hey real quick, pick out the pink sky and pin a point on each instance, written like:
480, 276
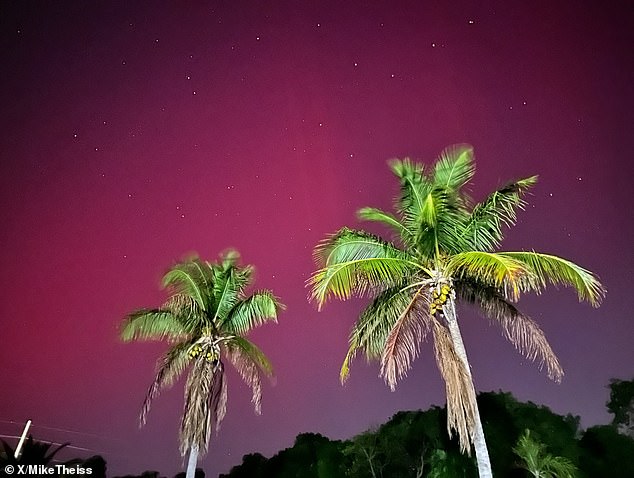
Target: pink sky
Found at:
134, 134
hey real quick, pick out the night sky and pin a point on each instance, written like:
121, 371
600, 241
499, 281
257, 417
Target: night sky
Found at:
133, 133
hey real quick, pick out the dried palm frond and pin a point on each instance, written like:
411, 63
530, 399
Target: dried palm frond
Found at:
205, 404
403, 342
522, 331
218, 397
461, 400
249, 361
182, 305
168, 368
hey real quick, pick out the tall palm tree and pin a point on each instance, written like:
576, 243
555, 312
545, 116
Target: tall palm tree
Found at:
444, 251
204, 320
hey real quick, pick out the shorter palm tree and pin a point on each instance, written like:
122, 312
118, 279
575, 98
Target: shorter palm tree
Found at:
539, 463
205, 320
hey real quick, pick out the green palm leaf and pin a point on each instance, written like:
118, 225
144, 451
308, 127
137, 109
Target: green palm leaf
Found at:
492, 269
539, 463
429, 211
448, 236
189, 279
229, 285
355, 263
229, 258
259, 308
415, 188
546, 268
152, 324
454, 168
387, 219
484, 227
414, 185
226, 295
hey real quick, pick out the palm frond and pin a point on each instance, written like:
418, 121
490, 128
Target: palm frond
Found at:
483, 230
387, 219
414, 184
434, 211
454, 168
205, 404
551, 269
187, 311
492, 269
251, 351
415, 187
152, 324
229, 286
168, 368
522, 331
452, 217
217, 400
540, 463
461, 398
249, 361
259, 308
229, 258
403, 343
190, 278
356, 262
353, 348
227, 293
371, 331
429, 211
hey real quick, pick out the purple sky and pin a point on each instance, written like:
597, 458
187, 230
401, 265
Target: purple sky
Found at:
132, 135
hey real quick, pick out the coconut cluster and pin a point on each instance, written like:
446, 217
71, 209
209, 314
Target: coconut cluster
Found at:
439, 297
197, 350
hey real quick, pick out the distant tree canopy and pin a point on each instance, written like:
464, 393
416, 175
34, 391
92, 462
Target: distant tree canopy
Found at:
312, 456
415, 444
621, 405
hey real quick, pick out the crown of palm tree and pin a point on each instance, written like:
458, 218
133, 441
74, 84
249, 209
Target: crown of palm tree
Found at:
444, 248
205, 319
538, 462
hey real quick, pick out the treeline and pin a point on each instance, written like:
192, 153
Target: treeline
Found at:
416, 445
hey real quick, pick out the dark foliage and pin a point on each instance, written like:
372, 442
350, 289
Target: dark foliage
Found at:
505, 419
32, 453
412, 444
621, 405
199, 473
605, 452
312, 456
415, 444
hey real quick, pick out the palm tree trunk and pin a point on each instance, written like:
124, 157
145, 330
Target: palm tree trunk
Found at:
191, 464
479, 442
